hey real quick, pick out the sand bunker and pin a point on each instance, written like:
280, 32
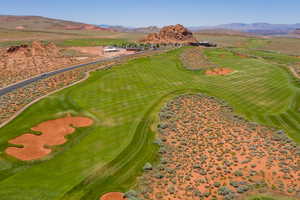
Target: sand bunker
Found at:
113, 196
218, 71
53, 133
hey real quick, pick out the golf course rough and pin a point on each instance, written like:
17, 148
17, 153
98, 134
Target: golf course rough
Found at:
122, 101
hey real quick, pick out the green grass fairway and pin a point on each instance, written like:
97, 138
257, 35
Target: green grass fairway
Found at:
123, 101
268, 197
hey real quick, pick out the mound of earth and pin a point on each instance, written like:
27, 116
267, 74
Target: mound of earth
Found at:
170, 34
113, 196
194, 59
53, 133
209, 153
21, 62
218, 71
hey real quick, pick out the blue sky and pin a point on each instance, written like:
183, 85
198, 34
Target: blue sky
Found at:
159, 12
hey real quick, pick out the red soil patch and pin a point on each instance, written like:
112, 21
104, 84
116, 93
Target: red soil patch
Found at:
99, 51
218, 71
113, 196
53, 133
208, 153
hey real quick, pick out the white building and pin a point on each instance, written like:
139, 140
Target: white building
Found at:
110, 49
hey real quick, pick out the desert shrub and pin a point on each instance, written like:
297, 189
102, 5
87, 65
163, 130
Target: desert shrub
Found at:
217, 184
171, 189
206, 194
162, 125
147, 167
234, 184
224, 191
131, 194
238, 173
242, 189
158, 175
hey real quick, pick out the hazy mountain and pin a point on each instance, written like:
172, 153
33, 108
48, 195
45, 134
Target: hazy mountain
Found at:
119, 28
255, 28
41, 23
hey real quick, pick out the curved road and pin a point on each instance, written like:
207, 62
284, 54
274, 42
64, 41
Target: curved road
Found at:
21, 84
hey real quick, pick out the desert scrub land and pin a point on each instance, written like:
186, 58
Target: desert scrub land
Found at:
122, 102
25, 61
207, 152
195, 59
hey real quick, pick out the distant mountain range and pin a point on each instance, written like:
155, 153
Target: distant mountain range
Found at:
43, 23
255, 28
119, 28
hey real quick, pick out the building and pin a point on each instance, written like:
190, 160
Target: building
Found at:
203, 43
109, 49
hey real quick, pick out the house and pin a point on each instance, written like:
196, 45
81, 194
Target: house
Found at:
203, 43
109, 49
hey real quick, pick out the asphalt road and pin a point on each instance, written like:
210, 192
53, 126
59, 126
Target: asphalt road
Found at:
21, 84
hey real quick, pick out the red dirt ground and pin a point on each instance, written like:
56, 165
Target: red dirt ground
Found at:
53, 133
113, 196
218, 71
209, 153
98, 51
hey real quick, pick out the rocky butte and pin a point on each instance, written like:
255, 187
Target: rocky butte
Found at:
170, 35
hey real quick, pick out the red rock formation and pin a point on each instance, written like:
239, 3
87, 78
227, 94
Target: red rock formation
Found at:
171, 34
24, 61
36, 49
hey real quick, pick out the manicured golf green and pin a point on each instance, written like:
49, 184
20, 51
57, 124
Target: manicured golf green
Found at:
123, 101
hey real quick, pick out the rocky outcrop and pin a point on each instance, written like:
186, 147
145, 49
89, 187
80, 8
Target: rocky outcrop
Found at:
24, 61
36, 49
171, 34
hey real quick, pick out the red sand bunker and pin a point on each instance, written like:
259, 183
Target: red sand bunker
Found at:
53, 133
113, 196
218, 71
